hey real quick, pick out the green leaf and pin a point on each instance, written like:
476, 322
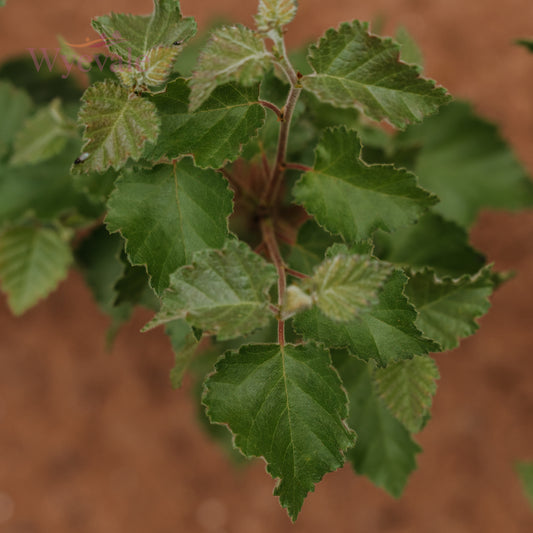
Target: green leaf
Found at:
385, 332
409, 50
407, 388
448, 307
431, 242
349, 197
152, 71
527, 43
285, 404
117, 125
310, 246
464, 160
384, 452
344, 285
42, 136
215, 132
132, 36
15, 106
167, 213
525, 471
274, 14
33, 261
224, 292
184, 344
44, 191
233, 54
353, 68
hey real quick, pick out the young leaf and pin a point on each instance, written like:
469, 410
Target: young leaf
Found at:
527, 43
464, 160
117, 125
184, 344
384, 451
342, 286
431, 242
15, 106
353, 67
385, 332
132, 36
215, 132
233, 54
286, 404
349, 197
33, 261
407, 388
167, 213
224, 292
274, 14
409, 50
152, 71
525, 471
42, 136
448, 308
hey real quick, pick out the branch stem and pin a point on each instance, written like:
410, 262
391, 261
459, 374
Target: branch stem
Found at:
272, 107
269, 237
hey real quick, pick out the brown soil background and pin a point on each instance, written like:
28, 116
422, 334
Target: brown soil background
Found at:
97, 442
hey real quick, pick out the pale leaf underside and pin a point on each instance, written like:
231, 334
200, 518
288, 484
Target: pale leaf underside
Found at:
224, 292
273, 14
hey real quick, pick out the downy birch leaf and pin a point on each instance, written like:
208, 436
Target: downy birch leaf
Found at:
384, 332
33, 260
351, 198
132, 36
384, 452
167, 213
285, 404
42, 136
354, 68
215, 132
232, 54
184, 345
117, 123
274, 14
448, 308
407, 387
15, 106
224, 292
464, 160
344, 285
431, 242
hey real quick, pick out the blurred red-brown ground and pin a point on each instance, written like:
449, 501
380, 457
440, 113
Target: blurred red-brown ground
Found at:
97, 442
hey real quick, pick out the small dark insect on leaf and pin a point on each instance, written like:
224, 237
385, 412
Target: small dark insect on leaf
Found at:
177, 43
83, 157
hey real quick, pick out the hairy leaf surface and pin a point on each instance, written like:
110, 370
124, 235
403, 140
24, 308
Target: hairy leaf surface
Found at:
349, 197
117, 126
233, 54
274, 14
132, 36
224, 292
287, 405
384, 450
407, 388
353, 67
33, 261
448, 308
215, 132
385, 332
167, 213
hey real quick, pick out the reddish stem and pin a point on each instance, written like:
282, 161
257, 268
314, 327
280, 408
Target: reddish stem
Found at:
295, 273
298, 166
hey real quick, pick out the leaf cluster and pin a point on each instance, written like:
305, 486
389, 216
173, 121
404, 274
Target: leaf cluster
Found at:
269, 218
